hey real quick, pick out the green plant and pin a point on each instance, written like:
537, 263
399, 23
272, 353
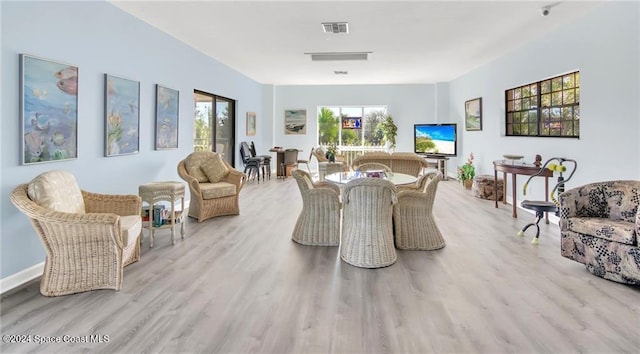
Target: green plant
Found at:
389, 130
332, 151
467, 171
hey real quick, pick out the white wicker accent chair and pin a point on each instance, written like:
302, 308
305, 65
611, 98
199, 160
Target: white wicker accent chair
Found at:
319, 221
415, 227
88, 237
367, 229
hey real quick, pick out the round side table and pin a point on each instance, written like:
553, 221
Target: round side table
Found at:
155, 192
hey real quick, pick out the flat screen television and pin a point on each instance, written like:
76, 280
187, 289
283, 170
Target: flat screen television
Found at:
438, 139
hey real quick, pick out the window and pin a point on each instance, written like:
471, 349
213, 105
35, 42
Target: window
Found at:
214, 125
546, 108
353, 126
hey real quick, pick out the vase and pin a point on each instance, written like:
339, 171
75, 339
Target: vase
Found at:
467, 183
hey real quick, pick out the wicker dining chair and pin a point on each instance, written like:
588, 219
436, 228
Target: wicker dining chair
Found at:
415, 227
89, 238
367, 229
373, 166
319, 221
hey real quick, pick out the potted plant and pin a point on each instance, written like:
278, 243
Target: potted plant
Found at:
332, 151
389, 131
466, 172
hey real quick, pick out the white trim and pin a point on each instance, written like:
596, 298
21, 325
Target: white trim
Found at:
22, 277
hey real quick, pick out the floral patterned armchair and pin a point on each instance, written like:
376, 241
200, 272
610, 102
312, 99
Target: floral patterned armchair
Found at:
600, 227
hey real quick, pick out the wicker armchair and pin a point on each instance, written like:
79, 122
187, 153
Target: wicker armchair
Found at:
324, 166
374, 156
400, 162
319, 220
415, 227
367, 230
373, 166
211, 199
408, 163
88, 237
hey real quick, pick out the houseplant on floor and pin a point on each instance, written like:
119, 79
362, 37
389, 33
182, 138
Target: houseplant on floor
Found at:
466, 172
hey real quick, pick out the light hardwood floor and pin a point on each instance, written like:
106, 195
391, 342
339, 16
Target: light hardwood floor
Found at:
239, 284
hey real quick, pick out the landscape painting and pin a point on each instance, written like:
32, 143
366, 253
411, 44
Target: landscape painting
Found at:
48, 110
473, 114
295, 121
166, 118
122, 116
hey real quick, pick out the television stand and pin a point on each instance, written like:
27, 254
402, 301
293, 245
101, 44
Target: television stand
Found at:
440, 164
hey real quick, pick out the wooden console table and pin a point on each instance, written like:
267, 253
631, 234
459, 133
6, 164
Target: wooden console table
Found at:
516, 168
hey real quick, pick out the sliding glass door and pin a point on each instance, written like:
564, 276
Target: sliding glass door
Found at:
214, 128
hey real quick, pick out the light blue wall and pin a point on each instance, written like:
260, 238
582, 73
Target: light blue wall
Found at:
604, 46
100, 38
408, 104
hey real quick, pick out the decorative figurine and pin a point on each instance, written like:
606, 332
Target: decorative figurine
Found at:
538, 161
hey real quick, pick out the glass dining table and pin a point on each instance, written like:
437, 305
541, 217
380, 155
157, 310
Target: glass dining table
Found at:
396, 178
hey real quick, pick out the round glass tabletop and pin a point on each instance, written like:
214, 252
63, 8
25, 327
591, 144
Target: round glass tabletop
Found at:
394, 177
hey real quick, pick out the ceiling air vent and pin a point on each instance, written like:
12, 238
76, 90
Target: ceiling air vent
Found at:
329, 56
335, 27
340, 72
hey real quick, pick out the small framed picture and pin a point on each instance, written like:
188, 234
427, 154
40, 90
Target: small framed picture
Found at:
251, 123
473, 114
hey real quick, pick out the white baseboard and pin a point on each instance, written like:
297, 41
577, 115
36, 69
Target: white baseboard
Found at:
22, 277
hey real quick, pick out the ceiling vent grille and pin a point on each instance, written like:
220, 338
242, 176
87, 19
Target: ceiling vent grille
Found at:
335, 27
341, 72
333, 56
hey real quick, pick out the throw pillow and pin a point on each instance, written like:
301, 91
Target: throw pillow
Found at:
194, 161
57, 190
215, 169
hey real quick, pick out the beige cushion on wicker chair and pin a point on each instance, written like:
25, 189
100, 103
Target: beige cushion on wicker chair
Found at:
57, 190
217, 190
131, 227
193, 163
215, 169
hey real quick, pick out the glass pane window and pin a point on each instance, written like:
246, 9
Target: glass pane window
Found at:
549, 107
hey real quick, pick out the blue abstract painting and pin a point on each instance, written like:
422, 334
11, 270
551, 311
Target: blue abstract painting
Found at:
166, 118
122, 117
49, 110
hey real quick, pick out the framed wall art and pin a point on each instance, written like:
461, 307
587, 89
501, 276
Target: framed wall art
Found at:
473, 114
167, 101
48, 110
295, 121
122, 117
251, 123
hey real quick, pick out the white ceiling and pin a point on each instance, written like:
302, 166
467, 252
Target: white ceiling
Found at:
411, 41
